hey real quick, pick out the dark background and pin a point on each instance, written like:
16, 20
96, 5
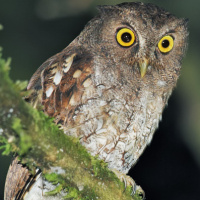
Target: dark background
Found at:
169, 169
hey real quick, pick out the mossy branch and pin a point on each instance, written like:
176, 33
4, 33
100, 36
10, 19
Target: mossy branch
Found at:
40, 143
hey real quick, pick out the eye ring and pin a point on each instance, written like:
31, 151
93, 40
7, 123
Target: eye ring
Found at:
166, 44
125, 37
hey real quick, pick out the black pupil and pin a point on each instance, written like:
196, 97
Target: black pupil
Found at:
126, 37
165, 43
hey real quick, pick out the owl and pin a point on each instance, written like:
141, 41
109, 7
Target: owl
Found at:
109, 86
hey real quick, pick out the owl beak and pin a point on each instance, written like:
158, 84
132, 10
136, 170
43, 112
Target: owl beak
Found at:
143, 67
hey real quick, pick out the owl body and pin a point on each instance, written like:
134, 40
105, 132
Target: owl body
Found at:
95, 89
110, 85
116, 120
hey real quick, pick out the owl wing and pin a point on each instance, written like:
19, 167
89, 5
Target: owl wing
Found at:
58, 85
60, 81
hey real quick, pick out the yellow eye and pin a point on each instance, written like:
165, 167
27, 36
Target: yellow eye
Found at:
166, 44
125, 37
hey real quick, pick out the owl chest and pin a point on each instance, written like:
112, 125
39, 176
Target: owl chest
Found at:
113, 128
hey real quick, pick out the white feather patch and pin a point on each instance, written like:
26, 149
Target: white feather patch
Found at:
99, 124
161, 83
57, 78
77, 73
87, 83
72, 101
68, 63
103, 130
49, 91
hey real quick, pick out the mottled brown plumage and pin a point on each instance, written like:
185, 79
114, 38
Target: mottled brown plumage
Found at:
110, 90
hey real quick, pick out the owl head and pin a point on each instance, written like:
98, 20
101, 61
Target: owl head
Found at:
146, 40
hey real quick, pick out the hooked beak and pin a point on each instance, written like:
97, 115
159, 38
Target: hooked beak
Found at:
143, 67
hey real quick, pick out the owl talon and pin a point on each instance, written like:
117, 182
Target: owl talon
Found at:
128, 181
140, 192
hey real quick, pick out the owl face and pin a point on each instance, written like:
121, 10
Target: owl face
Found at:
144, 37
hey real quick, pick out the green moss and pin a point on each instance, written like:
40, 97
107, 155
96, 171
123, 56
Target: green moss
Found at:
5, 68
6, 147
54, 178
16, 125
72, 193
25, 141
58, 180
57, 190
88, 194
21, 85
99, 166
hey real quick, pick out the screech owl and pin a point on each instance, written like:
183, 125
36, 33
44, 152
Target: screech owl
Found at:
110, 85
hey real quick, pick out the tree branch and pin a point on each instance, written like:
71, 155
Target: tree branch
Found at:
40, 143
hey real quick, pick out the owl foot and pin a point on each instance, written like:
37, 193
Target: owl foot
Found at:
128, 181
